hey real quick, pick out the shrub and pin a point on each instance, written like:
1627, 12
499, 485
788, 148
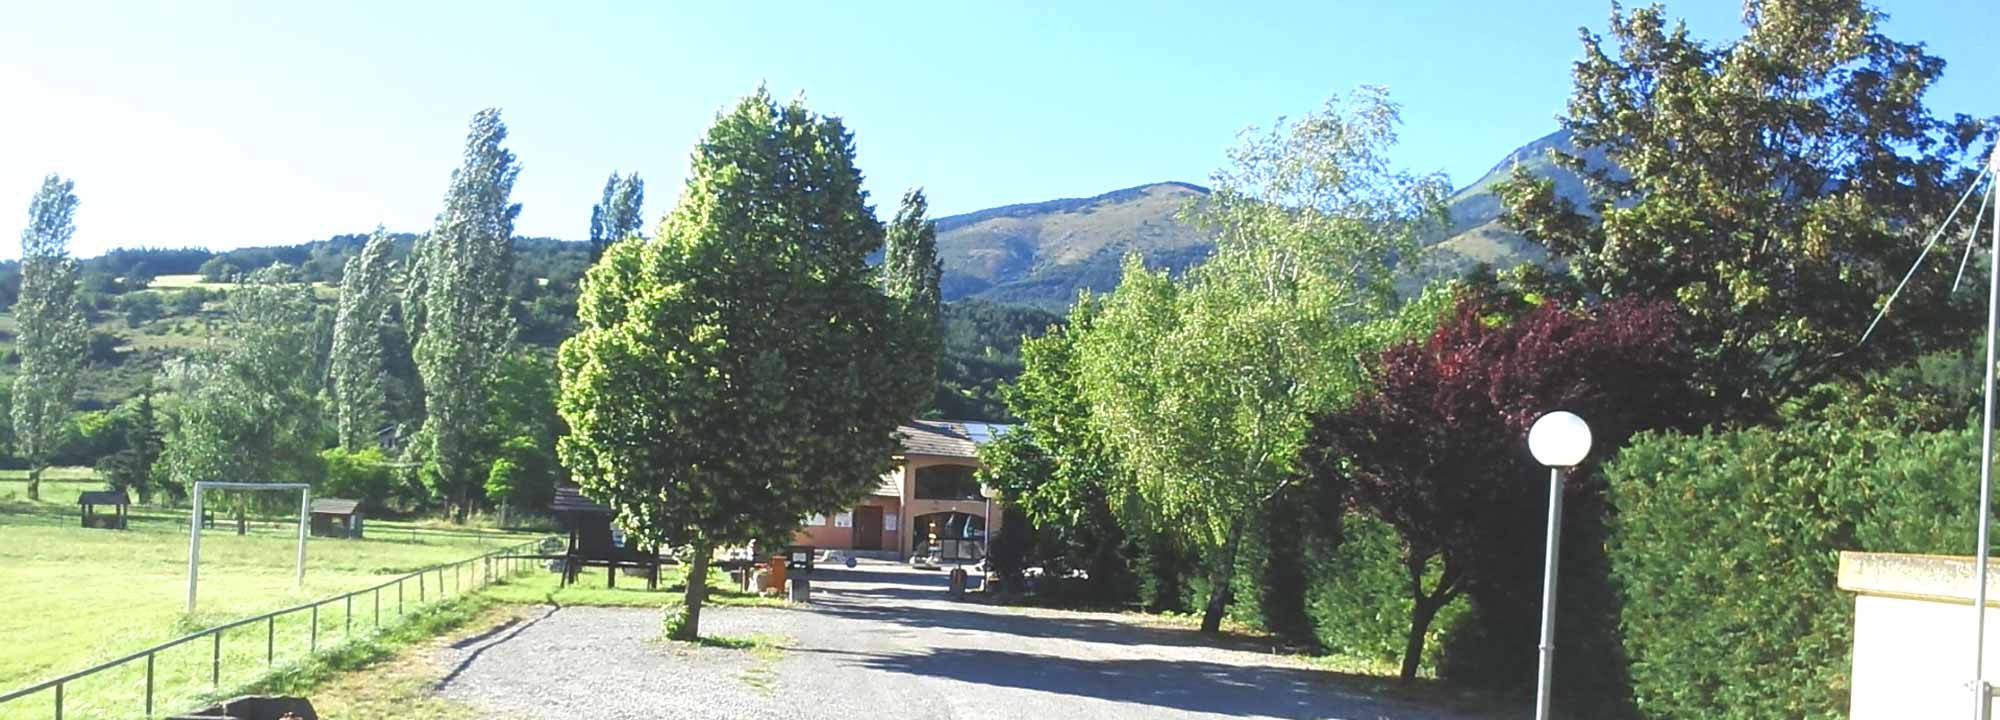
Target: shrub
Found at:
1360, 599
362, 475
1725, 546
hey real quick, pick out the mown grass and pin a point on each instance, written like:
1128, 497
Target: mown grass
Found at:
71, 597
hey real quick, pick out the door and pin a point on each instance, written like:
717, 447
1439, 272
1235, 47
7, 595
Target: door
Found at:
868, 527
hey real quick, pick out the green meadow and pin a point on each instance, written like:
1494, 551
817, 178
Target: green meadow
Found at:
76, 597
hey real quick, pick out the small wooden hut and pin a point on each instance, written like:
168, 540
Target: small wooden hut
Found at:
336, 518
115, 520
591, 542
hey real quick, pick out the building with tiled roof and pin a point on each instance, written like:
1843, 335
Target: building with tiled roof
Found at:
929, 500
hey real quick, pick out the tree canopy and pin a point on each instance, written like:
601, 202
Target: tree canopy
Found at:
52, 327
1775, 187
742, 368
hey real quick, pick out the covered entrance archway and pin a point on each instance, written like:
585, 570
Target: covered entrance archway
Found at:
950, 536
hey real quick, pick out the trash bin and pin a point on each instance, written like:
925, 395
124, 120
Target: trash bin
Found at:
958, 582
801, 589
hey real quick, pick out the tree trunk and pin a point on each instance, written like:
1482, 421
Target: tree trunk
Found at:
697, 589
1422, 612
34, 482
1218, 580
242, 522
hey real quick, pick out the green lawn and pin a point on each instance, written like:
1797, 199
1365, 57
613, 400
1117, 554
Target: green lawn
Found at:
71, 597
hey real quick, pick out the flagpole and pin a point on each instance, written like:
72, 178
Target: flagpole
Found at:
1982, 694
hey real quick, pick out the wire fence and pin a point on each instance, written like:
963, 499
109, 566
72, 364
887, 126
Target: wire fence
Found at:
392, 598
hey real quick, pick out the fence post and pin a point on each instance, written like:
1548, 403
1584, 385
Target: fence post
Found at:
215, 673
313, 644
399, 597
420, 588
149, 685
378, 607
270, 640
348, 618
59, 701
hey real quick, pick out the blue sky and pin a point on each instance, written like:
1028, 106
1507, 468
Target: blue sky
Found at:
224, 125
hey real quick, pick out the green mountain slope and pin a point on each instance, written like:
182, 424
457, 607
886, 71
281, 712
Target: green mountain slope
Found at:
1041, 254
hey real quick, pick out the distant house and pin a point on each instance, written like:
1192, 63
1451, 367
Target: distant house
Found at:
931, 496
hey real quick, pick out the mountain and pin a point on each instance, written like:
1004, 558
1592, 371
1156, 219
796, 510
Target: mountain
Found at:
1041, 254
1477, 237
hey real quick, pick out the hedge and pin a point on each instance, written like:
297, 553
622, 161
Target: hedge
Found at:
1725, 548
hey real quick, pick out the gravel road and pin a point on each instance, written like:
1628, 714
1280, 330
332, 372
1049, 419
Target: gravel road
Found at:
882, 641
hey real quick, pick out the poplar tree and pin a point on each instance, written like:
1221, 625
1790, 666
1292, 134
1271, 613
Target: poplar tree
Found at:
53, 332
617, 215
357, 376
911, 273
741, 369
466, 325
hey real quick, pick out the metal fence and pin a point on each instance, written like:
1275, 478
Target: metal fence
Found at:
492, 566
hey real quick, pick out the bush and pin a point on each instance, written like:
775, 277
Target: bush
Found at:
363, 475
1360, 600
1725, 547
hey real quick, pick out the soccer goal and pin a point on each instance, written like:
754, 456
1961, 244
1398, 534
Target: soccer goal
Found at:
194, 527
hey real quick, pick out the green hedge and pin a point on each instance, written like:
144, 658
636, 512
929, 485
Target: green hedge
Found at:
1360, 598
1725, 548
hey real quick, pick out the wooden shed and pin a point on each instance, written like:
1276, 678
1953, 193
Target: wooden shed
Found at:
90, 499
337, 518
591, 542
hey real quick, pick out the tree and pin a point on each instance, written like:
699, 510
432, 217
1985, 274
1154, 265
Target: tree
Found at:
249, 411
466, 323
357, 376
617, 215
741, 369
1206, 387
1434, 446
132, 467
52, 328
1775, 187
911, 272
1055, 469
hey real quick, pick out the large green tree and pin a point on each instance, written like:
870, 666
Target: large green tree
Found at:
741, 369
466, 323
617, 215
911, 273
1055, 468
1206, 386
52, 328
248, 409
1776, 187
357, 377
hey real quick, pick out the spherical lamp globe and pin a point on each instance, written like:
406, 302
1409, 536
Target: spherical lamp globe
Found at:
1559, 439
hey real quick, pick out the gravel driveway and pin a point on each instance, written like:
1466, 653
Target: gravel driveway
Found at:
881, 641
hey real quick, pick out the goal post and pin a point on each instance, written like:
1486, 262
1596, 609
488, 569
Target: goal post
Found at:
194, 527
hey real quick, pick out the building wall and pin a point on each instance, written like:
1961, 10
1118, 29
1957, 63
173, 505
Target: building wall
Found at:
829, 535
914, 508
898, 513
1913, 636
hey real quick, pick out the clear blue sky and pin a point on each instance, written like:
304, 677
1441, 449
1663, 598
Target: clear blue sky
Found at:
224, 125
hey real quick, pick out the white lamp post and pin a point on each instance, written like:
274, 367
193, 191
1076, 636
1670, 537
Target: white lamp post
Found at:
1559, 440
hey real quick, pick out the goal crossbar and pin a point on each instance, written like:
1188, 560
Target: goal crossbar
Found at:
194, 527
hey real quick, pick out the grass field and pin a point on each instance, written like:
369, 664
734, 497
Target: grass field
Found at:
71, 597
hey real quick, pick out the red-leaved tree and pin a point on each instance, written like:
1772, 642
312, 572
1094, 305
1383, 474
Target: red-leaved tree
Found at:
1437, 447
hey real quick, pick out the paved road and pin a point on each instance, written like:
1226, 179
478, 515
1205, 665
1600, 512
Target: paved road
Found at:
882, 641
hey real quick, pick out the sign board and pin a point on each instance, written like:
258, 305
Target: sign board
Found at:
888, 521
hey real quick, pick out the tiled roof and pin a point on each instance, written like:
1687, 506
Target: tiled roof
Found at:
333, 506
569, 498
103, 497
892, 484
946, 438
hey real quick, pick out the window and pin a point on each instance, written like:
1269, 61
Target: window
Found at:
845, 519
815, 520
947, 482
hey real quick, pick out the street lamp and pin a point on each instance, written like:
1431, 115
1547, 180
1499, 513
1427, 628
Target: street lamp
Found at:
1559, 440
